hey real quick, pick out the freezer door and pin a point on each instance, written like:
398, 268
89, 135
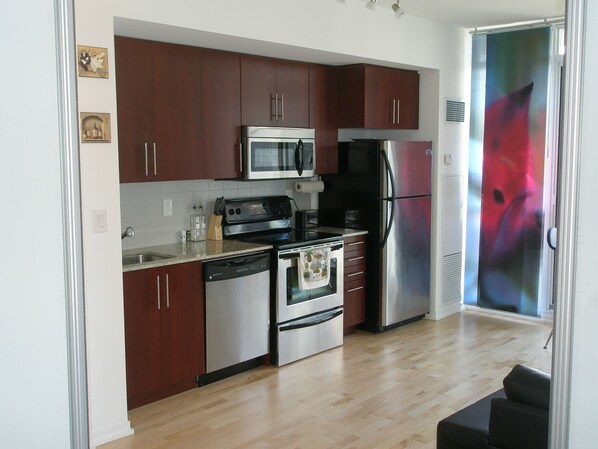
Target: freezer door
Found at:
406, 262
411, 165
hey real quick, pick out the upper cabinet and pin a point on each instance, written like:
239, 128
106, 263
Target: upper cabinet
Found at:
179, 111
378, 97
274, 92
220, 119
158, 108
323, 116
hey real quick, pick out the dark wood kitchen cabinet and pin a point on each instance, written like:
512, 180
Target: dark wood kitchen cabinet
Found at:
323, 116
378, 97
164, 331
220, 109
274, 92
158, 108
354, 282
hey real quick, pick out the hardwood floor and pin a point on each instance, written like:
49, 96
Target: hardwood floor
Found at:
377, 391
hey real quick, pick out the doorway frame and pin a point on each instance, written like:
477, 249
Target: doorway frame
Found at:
567, 203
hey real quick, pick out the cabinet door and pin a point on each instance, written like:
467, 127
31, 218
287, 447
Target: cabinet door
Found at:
131, 80
381, 95
173, 111
142, 334
183, 339
220, 102
408, 113
323, 116
292, 86
258, 87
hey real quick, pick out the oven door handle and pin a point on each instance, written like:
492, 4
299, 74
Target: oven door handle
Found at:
319, 319
295, 255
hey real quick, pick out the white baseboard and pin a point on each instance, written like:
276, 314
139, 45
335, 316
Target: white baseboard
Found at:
510, 315
111, 433
447, 310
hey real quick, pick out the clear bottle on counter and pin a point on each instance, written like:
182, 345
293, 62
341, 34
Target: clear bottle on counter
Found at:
198, 224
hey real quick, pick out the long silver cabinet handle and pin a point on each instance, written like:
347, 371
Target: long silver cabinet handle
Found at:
158, 287
356, 243
354, 274
274, 106
241, 157
167, 293
355, 258
282, 107
398, 111
155, 166
394, 111
146, 163
355, 289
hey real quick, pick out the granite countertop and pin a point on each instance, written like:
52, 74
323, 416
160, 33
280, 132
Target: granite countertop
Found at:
345, 232
193, 251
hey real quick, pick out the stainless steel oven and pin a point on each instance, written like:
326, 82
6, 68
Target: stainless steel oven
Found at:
308, 321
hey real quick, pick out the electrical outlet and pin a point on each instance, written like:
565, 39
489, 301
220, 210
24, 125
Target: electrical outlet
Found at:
167, 208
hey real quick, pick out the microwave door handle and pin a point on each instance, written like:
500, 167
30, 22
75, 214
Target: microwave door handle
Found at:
299, 157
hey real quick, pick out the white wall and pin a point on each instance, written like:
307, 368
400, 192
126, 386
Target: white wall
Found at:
584, 394
330, 32
34, 403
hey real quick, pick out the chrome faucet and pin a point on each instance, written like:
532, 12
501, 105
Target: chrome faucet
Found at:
129, 232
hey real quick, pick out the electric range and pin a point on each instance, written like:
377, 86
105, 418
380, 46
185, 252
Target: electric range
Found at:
304, 318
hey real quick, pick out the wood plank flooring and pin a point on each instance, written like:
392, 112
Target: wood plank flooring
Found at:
378, 391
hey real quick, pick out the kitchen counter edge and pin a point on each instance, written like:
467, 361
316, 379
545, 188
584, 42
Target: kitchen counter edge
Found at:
192, 252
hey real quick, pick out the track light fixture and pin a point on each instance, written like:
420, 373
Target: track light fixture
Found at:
399, 12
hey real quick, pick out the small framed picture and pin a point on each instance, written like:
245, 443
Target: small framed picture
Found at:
95, 127
92, 61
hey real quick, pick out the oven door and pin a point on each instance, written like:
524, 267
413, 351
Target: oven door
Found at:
291, 301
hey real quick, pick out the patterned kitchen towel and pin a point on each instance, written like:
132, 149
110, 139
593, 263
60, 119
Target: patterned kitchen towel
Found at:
314, 268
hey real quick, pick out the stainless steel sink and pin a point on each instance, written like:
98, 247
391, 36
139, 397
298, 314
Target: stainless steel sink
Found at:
131, 259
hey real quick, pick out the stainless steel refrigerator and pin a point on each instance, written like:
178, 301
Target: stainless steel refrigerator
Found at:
385, 187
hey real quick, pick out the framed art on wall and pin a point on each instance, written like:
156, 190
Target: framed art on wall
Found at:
92, 61
95, 127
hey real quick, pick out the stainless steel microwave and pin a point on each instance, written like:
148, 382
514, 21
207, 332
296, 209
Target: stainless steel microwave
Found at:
277, 153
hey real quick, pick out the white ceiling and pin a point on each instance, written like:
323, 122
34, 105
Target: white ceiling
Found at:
479, 13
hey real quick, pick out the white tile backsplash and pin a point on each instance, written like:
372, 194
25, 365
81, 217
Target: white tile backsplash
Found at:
141, 205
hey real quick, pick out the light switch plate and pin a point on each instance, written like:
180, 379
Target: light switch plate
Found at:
448, 159
100, 221
167, 208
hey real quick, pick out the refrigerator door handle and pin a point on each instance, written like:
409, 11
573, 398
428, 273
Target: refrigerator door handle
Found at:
389, 221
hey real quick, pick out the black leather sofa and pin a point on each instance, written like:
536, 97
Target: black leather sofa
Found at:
514, 417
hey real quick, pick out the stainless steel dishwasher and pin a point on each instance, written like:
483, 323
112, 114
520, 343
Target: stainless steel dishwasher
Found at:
237, 310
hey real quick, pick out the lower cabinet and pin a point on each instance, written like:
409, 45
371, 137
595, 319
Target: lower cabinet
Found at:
164, 331
354, 282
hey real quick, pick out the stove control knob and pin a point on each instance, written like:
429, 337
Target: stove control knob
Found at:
231, 211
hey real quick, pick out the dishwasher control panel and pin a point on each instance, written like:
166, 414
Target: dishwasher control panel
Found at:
220, 270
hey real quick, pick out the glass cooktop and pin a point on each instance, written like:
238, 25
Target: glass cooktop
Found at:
292, 238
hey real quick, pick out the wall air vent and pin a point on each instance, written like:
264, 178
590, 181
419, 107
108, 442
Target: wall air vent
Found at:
455, 111
451, 277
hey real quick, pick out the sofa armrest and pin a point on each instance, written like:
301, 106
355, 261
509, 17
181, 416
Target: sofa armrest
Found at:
528, 386
517, 426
